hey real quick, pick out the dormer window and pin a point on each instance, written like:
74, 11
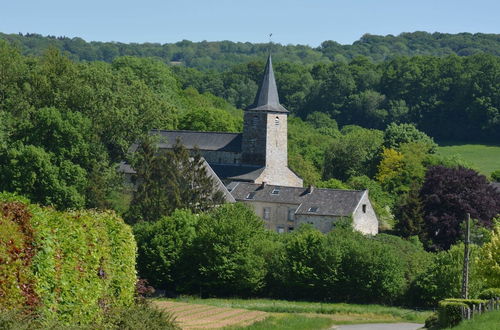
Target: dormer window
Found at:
313, 209
250, 195
277, 121
276, 191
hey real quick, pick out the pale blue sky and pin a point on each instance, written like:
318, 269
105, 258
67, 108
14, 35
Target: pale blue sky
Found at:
290, 21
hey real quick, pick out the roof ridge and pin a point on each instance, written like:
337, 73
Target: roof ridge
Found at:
188, 131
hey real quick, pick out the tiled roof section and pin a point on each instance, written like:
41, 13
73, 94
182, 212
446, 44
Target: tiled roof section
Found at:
267, 98
218, 185
213, 141
237, 172
323, 201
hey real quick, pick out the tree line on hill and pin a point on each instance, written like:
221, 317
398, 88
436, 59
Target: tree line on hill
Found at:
451, 98
219, 55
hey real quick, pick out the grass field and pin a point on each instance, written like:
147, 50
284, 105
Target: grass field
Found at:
486, 321
484, 158
340, 313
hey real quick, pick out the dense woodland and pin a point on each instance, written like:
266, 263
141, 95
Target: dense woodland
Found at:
359, 122
220, 55
446, 85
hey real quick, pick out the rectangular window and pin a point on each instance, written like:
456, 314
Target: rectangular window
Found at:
364, 208
250, 195
267, 213
280, 229
276, 191
290, 228
291, 214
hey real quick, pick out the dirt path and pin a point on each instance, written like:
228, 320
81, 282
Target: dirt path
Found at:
194, 316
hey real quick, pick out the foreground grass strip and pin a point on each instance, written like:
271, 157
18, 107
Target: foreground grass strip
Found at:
486, 321
345, 312
289, 322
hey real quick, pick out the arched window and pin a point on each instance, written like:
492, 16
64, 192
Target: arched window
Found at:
277, 121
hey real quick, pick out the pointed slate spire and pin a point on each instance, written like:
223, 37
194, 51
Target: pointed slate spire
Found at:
267, 98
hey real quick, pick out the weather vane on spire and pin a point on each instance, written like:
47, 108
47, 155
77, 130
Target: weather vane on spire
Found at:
270, 43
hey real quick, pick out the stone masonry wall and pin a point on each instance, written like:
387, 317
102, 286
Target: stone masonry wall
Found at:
365, 220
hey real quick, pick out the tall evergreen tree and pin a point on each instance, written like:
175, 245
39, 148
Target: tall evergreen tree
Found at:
410, 215
166, 181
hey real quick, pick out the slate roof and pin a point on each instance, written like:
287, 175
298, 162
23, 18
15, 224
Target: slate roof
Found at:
212, 141
333, 202
218, 185
237, 172
267, 98
496, 185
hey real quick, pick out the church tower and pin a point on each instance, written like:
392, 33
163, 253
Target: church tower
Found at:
265, 140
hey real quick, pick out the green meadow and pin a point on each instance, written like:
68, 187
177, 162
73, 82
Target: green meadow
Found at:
483, 158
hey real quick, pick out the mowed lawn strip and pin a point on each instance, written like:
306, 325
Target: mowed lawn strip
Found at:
484, 158
344, 313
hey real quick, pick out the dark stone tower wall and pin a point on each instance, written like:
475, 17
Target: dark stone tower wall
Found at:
254, 138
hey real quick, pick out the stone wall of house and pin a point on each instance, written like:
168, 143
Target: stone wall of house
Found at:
278, 218
364, 217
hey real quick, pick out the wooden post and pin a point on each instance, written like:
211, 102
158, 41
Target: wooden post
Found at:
465, 275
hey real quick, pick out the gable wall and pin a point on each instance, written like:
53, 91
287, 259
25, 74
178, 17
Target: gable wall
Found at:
365, 222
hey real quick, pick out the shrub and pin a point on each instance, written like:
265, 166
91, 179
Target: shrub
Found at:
450, 310
370, 270
495, 176
162, 248
305, 266
431, 321
69, 266
489, 293
443, 277
450, 313
489, 260
226, 255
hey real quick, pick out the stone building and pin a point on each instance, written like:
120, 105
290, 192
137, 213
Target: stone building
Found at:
255, 164
285, 208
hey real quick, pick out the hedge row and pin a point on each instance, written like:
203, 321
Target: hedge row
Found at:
450, 310
66, 266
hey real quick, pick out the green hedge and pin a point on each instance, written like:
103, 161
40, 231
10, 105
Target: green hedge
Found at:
449, 310
450, 313
490, 293
68, 266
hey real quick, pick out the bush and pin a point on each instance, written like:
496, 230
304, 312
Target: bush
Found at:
162, 248
227, 256
450, 310
495, 176
443, 277
450, 313
431, 321
68, 266
489, 293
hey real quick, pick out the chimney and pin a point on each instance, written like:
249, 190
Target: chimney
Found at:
310, 189
263, 184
